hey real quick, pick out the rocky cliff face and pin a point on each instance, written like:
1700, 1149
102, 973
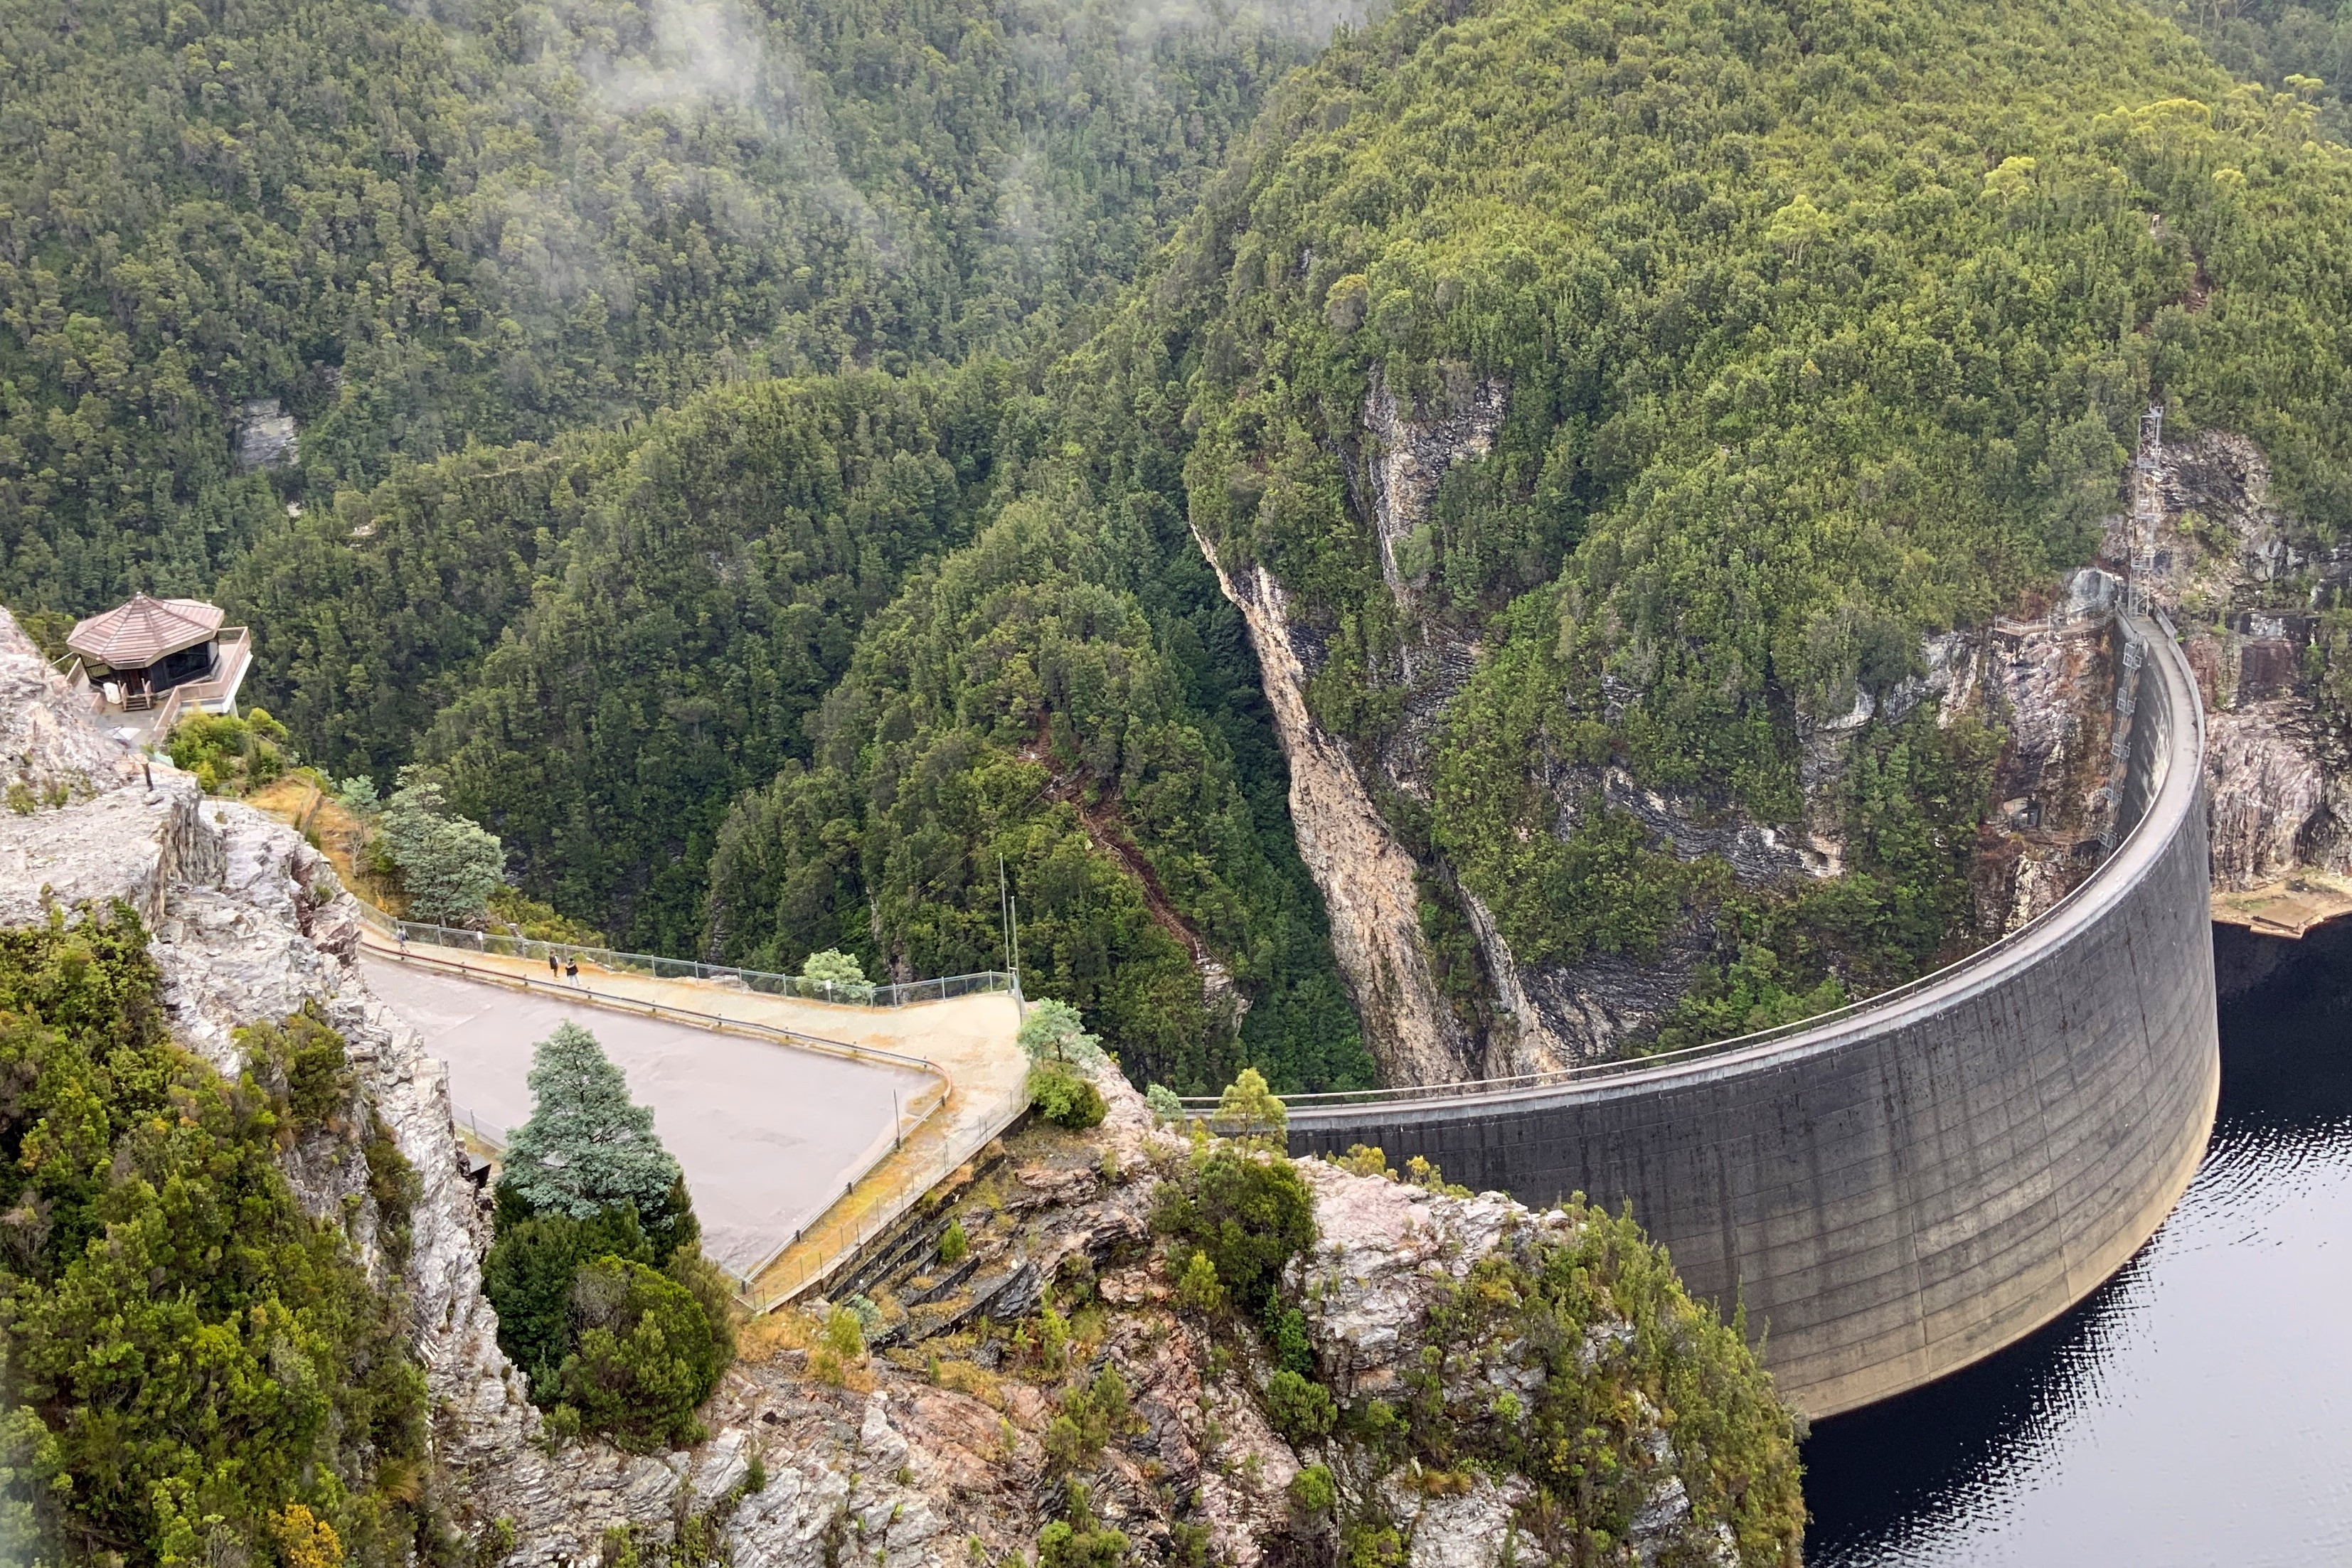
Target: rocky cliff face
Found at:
1367, 878
2247, 583
2048, 682
939, 1448
946, 1435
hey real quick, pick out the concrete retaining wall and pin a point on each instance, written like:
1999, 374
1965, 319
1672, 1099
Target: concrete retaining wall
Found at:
1898, 1191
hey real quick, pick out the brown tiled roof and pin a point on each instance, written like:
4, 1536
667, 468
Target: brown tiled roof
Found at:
134, 635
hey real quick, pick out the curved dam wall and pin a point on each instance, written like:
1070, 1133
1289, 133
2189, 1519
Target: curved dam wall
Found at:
1906, 1186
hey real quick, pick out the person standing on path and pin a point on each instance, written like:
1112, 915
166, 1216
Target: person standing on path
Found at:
572, 968
553, 971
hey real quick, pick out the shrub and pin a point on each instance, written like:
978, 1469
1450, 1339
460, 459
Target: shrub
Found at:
953, 1243
1286, 1333
1053, 1031
1078, 1540
833, 968
529, 1277
708, 1284
1063, 1098
1197, 1287
840, 1345
1250, 1212
447, 866
1091, 1417
1300, 1410
646, 1358
1044, 1341
1312, 1490
304, 1539
538, 921
1367, 1543
229, 754
1164, 1103
301, 1064
1249, 1109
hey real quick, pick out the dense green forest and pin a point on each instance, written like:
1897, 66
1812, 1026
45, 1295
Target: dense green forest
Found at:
2307, 49
428, 228
1825, 329
1820, 326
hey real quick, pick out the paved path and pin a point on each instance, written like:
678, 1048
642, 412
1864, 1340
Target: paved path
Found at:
770, 1137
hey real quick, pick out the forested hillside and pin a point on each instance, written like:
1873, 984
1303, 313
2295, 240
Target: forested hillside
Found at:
422, 228
2282, 44
1597, 405
1815, 331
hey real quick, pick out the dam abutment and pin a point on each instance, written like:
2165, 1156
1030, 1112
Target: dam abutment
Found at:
1910, 1183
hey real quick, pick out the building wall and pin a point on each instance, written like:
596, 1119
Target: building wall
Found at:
1907, 1188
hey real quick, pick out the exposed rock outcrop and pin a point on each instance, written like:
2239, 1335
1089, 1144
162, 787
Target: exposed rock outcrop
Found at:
2245, 580
1367, 878
953, 1433
266, 436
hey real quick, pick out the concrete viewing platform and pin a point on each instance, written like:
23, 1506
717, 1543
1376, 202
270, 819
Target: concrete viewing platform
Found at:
795, 1154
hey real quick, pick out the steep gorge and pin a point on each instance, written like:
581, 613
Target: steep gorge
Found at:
1670, 631
950, 1441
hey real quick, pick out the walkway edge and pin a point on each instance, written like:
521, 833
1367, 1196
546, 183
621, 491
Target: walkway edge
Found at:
879, 1154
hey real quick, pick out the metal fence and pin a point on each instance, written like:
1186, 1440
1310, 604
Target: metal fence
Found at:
833, 1242
836, 1235
505, 944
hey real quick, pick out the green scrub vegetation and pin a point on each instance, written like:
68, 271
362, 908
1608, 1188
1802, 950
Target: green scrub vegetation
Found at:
194, 1369
604, 1299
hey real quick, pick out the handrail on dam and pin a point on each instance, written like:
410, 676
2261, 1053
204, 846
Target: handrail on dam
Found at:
1901, 1187
1991, 955
714, 1021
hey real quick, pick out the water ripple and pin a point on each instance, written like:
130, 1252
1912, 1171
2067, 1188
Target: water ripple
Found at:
2196, 1409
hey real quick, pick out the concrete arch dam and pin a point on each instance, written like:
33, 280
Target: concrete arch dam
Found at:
1907, 1185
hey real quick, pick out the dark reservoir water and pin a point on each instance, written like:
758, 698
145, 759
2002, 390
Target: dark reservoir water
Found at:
2196, 1410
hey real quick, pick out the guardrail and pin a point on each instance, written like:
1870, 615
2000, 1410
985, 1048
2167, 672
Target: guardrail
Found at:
910, 1115
1202, 1107
904, 993
718, 1021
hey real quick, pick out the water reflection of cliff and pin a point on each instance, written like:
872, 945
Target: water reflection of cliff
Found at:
2186, 1411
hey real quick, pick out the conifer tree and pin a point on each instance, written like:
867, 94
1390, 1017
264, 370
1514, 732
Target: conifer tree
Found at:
587, 1146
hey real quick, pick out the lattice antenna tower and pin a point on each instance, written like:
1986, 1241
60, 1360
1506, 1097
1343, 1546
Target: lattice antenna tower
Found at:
2147, 508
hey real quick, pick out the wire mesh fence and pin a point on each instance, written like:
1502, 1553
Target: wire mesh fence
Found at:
837, 1234
505, 944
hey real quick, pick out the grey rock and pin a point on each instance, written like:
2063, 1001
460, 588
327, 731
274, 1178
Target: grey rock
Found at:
266, 436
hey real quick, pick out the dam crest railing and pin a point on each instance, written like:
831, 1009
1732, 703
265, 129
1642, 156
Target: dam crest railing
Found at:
1987, 956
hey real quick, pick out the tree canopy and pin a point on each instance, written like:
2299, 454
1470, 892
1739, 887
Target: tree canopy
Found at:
587, 1146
